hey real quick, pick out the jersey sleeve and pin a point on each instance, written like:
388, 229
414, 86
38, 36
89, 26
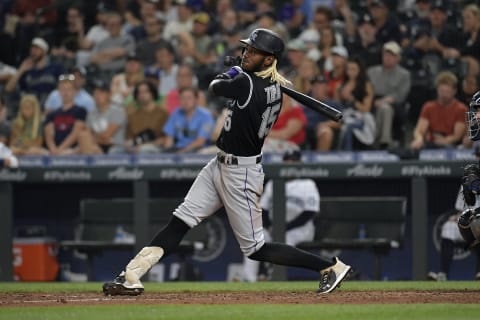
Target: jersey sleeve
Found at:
238, 88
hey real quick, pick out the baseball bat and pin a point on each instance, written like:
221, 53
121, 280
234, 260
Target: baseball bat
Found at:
314, 104
309, 102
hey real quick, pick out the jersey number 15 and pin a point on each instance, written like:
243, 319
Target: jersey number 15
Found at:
269, 117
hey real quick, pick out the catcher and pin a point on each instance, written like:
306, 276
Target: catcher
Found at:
469, 220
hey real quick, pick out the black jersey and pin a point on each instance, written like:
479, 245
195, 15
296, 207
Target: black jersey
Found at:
255, 105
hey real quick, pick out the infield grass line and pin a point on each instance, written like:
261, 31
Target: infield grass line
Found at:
6, 287
250, 312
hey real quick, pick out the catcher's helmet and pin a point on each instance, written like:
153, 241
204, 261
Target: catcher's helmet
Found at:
473, 123
265, 40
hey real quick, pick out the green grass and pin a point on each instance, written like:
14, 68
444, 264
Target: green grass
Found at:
239, 286
250, 312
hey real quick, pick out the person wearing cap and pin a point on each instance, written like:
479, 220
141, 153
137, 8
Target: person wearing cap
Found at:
302, 206
386, 22
62, 126
110, 55
391, 85
105, 125
82, 97
336, 76
437, 40
364, 43
37, 74
442, 121
296, 52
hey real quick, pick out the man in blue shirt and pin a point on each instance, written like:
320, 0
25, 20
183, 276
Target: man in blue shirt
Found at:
190, 126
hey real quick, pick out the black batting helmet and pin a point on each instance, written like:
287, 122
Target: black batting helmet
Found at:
473, 123
265, 40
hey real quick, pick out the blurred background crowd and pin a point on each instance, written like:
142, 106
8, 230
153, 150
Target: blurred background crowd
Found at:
130, 76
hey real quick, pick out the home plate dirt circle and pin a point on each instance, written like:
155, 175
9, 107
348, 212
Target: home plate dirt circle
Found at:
243, 297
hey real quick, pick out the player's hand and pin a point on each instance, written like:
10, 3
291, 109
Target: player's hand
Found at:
233, 72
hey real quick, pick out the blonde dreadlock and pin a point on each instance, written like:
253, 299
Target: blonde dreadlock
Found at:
273, 74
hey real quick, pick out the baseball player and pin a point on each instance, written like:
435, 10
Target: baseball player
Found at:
234, 178
303, 204
469, 220
449, 236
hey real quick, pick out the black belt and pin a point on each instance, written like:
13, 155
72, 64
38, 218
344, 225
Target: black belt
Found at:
239, 161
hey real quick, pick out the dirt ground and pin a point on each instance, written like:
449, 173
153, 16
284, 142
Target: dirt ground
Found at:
267, 297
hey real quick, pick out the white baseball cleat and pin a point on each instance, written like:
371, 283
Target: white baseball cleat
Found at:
331, 277
121, 287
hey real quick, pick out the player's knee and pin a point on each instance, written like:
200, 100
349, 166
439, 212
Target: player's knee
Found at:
255, 254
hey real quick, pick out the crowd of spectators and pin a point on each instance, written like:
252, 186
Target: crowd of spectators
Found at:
117, 76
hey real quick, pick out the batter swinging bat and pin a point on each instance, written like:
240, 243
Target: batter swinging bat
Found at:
309, 102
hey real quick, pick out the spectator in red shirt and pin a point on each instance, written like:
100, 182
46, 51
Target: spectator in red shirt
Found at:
289, 131
442, 121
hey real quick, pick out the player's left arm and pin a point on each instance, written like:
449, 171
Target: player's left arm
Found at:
233, 84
